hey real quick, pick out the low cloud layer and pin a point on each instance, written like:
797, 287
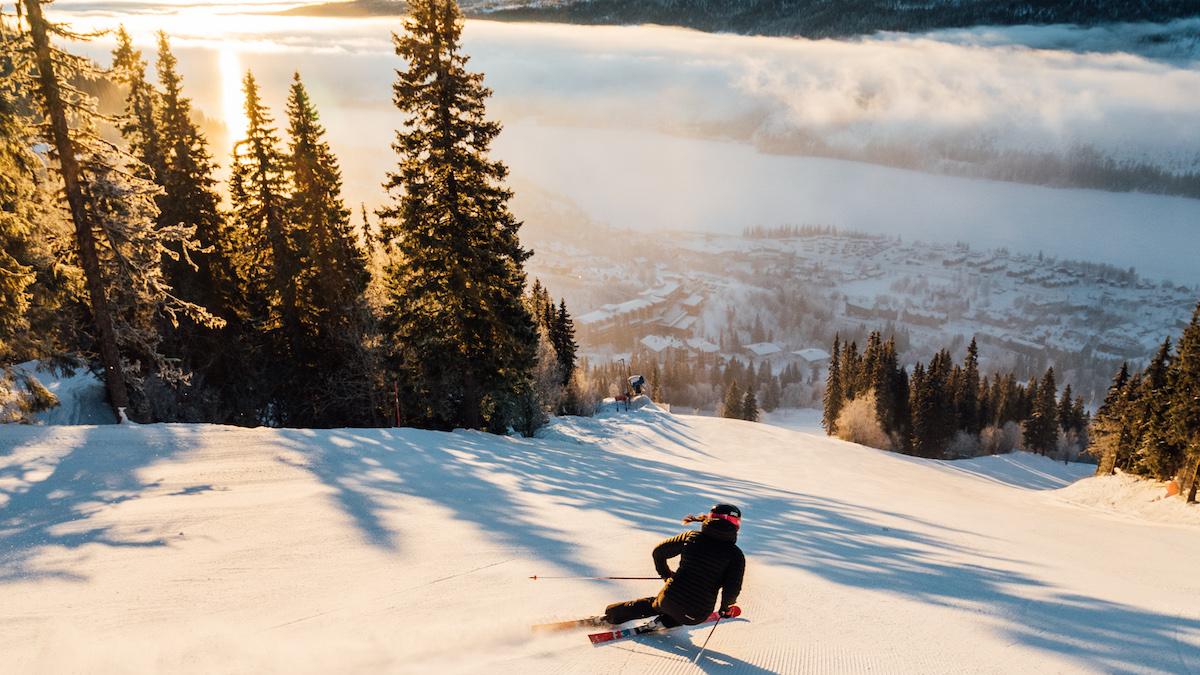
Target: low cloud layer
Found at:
898, 93
979, 85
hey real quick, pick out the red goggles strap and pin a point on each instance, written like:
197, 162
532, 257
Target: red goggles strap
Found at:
737, 522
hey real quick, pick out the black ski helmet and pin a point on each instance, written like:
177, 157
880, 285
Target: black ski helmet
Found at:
727, 512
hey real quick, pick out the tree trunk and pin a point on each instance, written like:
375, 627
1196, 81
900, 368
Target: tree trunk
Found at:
110, 357
1190, 478
1107, 463
470, 413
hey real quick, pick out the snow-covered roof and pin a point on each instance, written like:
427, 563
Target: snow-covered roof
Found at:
812, 354
671, 318
693, 300
594, 317
702, 345
657, 343
684, 322
662, 291
763, 348
637, 304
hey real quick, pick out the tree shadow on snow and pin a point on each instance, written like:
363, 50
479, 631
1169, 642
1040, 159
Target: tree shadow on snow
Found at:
483, 477
52, 499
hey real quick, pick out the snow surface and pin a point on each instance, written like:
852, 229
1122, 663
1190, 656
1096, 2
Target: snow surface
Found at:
1131, 496
193, 548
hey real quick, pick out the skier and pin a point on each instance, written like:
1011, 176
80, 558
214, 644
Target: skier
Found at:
709, 561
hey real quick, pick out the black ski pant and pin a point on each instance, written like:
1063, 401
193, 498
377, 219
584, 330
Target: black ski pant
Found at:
641, 608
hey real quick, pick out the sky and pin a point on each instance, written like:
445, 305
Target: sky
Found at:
635, 123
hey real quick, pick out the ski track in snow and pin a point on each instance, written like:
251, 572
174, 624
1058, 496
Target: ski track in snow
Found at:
192, 548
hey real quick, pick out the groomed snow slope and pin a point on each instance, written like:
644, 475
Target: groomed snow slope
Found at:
178, 548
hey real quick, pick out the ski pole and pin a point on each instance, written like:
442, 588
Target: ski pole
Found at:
536, 577
705, 645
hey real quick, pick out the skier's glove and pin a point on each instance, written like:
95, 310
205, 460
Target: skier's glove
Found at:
729, 611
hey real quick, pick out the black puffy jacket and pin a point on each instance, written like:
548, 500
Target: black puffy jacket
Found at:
709, 561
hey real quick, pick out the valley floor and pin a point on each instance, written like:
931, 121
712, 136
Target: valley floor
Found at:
188, 548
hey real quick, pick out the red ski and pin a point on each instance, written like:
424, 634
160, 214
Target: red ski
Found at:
648, 628
589, 622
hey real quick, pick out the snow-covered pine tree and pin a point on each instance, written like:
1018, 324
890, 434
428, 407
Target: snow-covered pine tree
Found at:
39, 314
1158, 454
1184, 417
331, 383
19, 243
112, 207
131, 247
464, 342
547, 392
52, 70
1108, 431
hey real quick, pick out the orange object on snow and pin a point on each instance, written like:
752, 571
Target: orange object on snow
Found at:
1172, 488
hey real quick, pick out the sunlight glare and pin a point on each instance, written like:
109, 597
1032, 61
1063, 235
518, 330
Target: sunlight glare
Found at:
231, 92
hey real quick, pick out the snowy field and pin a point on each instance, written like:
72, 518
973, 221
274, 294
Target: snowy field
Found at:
183, 548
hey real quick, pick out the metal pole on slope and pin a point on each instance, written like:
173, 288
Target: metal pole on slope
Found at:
705, 645
536, 577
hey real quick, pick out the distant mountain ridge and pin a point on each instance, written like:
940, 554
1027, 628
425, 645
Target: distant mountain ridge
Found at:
807, 18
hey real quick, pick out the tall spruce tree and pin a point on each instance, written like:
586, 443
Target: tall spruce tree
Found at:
888, 397
734, 399
21, 244
851, 364
118, 243
1158, 454
967, 394
259, 195
563, 337
833, 390
1041, 429
942, 424
1184, 416
53, 68
190, 197
330, 383
464, 341
140, 125
750, 406
1065, 412
217, 354
1109, 433
923, 407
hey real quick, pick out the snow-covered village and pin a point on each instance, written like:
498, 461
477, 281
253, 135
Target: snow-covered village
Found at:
734, 336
